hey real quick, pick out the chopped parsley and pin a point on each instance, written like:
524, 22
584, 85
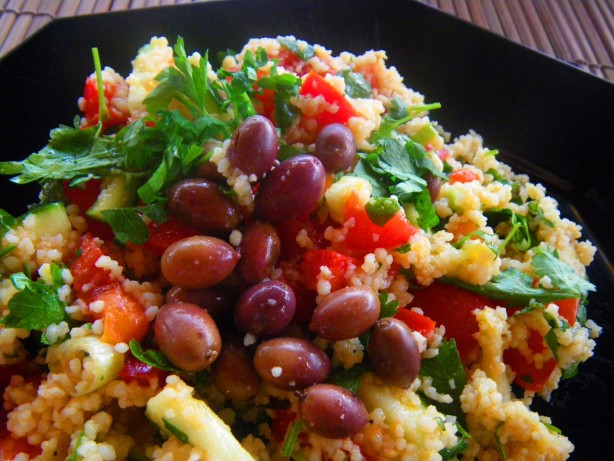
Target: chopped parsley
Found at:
388, 308
356, 86
35, 306
182, 436
151, 357
448, 377
517, 288
291, 438
397, 168
349, 378
520, 234
303, 52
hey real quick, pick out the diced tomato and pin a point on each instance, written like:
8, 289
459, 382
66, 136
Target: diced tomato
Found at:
453, 307
463, 175
267, 101
443, 154
568, 309
305, 298
337, 263
315, 85
365, 236
288, 230
528, 376
162, 235
417, 322
86, 275
143, 373
281, 422
11, 446
124, 318
91, 104
83, 195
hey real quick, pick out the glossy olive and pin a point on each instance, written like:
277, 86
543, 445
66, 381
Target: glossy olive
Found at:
254, 145
260, 247
208, 170
291, 363
433, 184
233, 372
198, 262
335, 147
200, 204
394, 352
265, 309
218, 303
293, 188
332, 411
346, 313
187, 336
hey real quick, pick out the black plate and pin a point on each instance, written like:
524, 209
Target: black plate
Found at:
548, 118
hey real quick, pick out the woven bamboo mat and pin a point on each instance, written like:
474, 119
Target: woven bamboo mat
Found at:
580, 32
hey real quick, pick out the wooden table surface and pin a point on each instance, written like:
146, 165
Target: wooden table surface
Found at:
580, 32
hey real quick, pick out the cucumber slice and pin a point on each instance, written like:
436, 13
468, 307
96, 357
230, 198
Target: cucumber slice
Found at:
174, 410
117, 191
49, 219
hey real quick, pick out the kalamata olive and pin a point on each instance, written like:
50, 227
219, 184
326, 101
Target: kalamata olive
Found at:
433, 184
291, 363
208, 170
260, 247
254, 146
346, 313
293, 188
187, 336
233, 372
394, 352
201, 205
332, 411
198, 262
335, 147
265, 309
218, 303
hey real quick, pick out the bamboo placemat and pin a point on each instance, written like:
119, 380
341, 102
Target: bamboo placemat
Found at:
580, 32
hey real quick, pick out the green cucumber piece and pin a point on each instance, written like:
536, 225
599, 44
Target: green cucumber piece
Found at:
118, 191
49, 219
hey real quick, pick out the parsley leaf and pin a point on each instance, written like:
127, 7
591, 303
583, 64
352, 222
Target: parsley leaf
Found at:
35, 306
184, 82
427, 217
151, 357
285, 86
7, 222
356, 85
520, 234
349, 377
127, 225
536, 210
448, 377
304, 53
514, 287
71, 153
562, 276
397, 169
388, 308
448, 454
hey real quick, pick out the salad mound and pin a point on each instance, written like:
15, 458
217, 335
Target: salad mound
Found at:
285, 257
